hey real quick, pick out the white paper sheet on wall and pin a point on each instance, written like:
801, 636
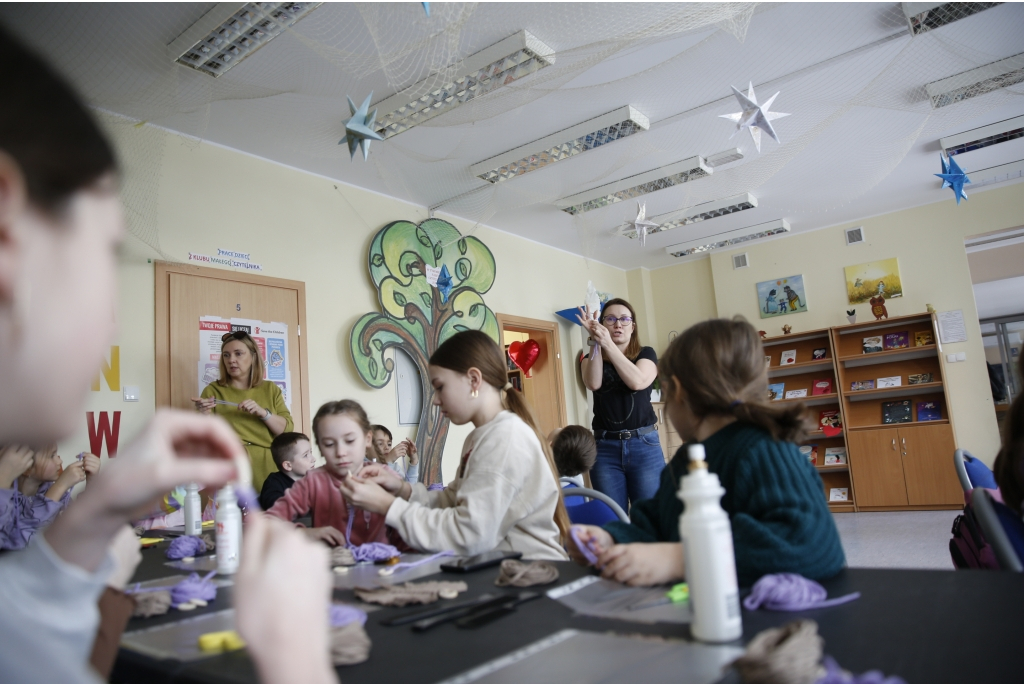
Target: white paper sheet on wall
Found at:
951, 326
271, 339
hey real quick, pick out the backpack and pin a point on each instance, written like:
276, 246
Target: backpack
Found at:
968, 546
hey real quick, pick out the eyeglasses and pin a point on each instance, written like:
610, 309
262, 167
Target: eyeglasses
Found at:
234, 335
610, 320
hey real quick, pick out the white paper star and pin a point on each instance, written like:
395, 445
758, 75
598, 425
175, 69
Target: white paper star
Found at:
641, 225
359, 129
754, 117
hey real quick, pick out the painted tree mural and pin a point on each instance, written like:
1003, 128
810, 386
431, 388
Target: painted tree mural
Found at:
417, 316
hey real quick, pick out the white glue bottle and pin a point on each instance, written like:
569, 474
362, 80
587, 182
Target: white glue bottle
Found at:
229, 531
708, 554
193, 510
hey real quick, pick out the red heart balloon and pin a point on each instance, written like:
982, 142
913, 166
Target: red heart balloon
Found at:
524, 354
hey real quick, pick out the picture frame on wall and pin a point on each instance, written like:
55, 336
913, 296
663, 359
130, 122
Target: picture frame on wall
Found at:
871, 279
781, 296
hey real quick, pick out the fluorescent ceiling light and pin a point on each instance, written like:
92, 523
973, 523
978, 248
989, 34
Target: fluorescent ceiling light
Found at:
996, 174
975, 139
502, 63
969, 84
635, 186
724, 157
232, 31
596, 132
701, 212
740, 235
925, 16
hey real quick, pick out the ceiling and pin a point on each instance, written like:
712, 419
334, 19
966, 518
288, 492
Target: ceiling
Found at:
862, 138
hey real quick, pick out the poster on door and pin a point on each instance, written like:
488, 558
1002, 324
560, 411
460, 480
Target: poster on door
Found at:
271, 339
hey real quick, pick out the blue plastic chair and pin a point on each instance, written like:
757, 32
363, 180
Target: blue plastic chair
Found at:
601, 508
972, 472
1002, 528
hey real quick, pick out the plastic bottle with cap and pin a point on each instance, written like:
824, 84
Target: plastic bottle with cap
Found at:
708, 554
229, 531
193, 510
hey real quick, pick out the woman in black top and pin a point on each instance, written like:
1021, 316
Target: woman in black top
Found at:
621, 374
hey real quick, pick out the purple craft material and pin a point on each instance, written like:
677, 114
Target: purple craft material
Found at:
194, 587
374, 551
835, 674
435, 486
343, 614
587, 550
791, 592
185, 546
247, 497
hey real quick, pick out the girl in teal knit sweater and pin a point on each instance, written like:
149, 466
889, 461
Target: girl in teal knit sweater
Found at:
716, 390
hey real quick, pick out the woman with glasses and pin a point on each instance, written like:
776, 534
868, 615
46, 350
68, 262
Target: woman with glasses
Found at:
621, 373
254, 407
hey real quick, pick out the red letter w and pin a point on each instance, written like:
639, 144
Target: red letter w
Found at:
97, 434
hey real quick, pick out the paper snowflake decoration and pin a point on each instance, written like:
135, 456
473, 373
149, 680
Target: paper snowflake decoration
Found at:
754, 117
359, 129
641, 225
953, 177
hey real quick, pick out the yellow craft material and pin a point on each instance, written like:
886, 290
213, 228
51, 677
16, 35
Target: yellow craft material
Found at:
145, 542
221, 641
209, 524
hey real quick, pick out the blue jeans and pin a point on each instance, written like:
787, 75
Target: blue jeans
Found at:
628, 470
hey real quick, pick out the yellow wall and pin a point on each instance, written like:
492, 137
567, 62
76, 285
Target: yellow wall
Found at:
300, 227
684, 294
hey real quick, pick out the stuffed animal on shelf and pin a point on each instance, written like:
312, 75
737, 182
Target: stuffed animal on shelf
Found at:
787, 329
851, 315
763, 334
878, 303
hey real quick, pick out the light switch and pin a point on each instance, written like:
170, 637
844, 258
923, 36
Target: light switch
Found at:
951, 358
131, 393
961, 356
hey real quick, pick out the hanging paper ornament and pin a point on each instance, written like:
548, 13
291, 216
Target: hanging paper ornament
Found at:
754, 117
524, 354
426, 8
953, 177
444, 283
359, 129
641, 225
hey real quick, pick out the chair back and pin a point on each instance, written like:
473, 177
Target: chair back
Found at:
601, 508
1003, 529
972, 472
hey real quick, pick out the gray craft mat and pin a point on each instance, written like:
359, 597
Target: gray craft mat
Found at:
574, 656
368, 574
593, 596
219, 581
179, 640
201, 565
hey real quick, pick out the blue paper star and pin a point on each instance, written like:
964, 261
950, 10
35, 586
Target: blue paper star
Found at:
954, 177
359, 129
426, 7
444, 283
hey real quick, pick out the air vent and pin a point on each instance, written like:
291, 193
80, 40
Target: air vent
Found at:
855, 235
925, 16
740, 261
977, 138
971, 84
635, 186
697, 213
740, 235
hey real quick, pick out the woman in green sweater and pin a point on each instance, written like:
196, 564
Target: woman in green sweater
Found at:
716, 391
254, 407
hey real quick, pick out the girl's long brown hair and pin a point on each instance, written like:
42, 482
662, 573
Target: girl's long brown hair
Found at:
476, 349
720, 365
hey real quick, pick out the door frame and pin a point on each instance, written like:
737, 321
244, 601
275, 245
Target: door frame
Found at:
162, 292
511, 321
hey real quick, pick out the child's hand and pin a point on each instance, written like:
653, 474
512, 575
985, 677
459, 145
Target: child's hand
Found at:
14, 461
366, 494
284, 622
72, 475
127, 554
414, 456
382, 476
643, 563
598, 538
91, 464
329, 534
205, 405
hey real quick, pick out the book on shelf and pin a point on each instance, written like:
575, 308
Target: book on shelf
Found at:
896, 412
819, 353
896, 341
776, 390
811, 452
922, 338
919, 378
821, 387
890, 382
872, 343
839, 495
788, 357
796, 394
835, 455
862, 385
830, 422
928, 411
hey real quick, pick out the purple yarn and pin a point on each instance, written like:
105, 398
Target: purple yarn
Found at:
185, 546
194, 587
835, 674
342, 615
435, 486
587, 550
374, 551
791, 592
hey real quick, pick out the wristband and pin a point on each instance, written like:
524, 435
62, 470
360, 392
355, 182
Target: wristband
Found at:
268, 415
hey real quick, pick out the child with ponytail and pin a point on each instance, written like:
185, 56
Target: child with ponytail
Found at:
505, 494
716, 391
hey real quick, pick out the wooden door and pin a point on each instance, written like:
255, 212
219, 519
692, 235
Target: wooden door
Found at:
877, 467
543, 390
928, 465
186, 293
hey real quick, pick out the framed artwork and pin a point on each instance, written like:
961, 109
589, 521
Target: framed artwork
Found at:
781, 296
864, 281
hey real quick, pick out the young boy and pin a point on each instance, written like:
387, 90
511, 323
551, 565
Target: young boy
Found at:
293, 455
396, 457
575, 452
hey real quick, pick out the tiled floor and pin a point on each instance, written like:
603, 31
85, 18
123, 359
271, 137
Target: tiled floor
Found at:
904, 539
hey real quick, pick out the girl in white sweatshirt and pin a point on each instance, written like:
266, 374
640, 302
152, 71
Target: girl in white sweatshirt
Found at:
505, 495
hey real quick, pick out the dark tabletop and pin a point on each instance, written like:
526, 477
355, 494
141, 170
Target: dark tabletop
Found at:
925, 626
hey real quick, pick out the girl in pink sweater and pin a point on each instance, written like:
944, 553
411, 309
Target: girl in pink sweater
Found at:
342, 432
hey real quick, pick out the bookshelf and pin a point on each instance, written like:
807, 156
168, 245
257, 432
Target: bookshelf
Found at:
805, 371
900, 439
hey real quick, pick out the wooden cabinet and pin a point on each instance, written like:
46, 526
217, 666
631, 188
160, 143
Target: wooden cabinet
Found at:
877, 467
927, 453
